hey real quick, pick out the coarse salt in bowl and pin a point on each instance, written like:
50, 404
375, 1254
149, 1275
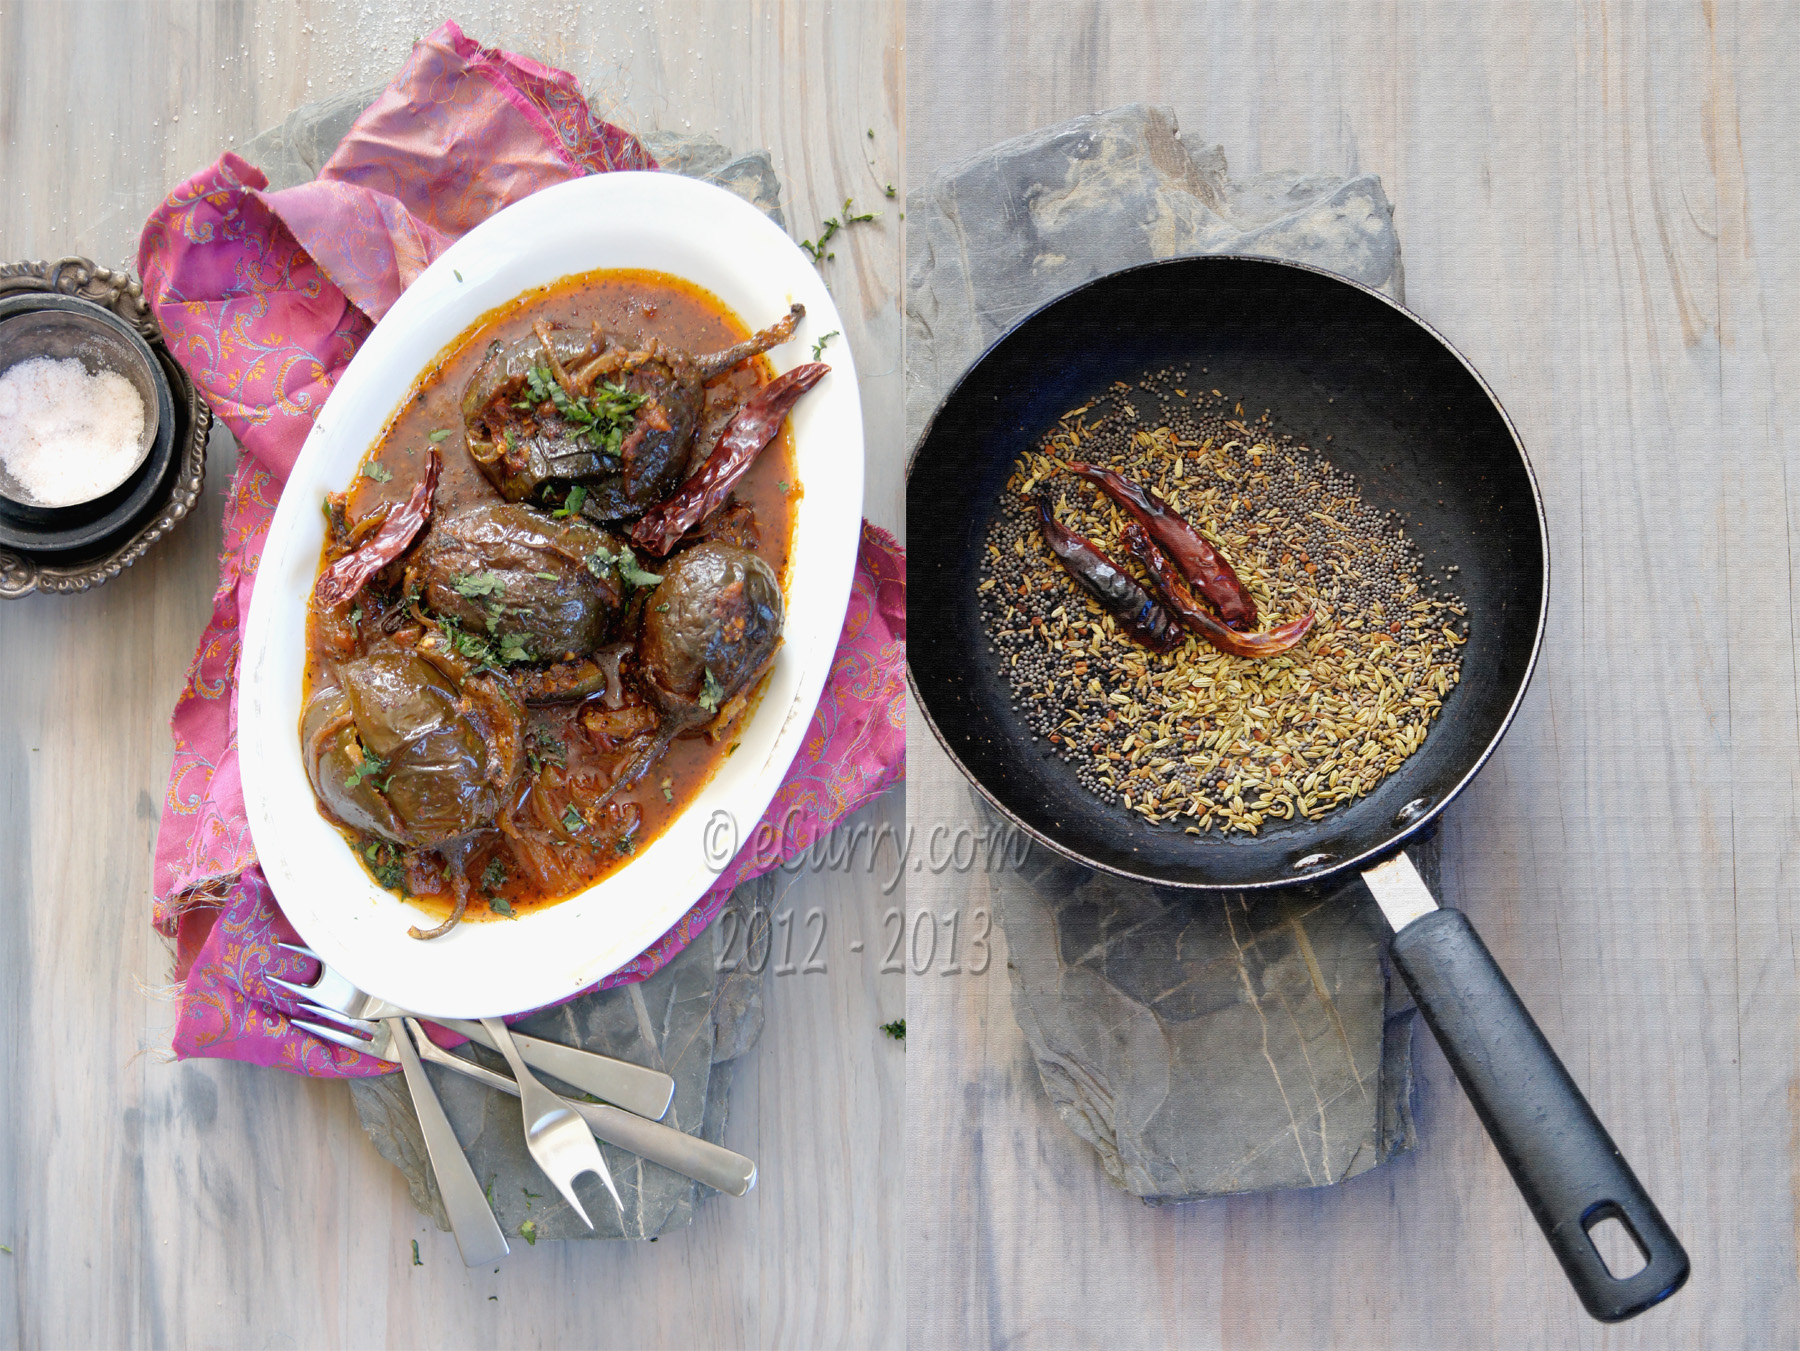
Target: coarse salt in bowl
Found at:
78, 408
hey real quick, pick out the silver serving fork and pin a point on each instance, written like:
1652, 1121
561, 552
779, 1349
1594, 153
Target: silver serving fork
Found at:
478, 1235
719, 1168
556, 1136
636, 1088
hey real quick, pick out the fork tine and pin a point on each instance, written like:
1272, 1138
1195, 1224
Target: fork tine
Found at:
302, 992
303, 950
362, 1025
350, 1039
568, 1191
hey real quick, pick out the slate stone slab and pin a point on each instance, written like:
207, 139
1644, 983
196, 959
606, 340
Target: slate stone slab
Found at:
1018, 224
689, 1019
1206, 1045
1202, 1046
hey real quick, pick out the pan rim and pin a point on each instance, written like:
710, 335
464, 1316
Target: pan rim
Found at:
1399, 838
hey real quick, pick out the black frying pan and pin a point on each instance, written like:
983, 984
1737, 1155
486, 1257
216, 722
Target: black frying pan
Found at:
1425, 437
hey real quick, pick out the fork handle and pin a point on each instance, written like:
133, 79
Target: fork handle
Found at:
637, 1089
477, 1231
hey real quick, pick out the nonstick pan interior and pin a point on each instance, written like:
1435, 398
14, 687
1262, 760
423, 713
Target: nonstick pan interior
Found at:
1404, 414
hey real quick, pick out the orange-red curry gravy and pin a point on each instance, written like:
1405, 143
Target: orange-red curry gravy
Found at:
627, 303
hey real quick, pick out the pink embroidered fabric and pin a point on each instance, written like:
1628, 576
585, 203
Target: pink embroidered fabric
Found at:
264, 297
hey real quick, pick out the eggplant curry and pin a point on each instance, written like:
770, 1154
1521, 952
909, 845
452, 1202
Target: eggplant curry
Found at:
551, 594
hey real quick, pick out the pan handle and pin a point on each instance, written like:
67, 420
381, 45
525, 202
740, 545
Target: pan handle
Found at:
1565, 1164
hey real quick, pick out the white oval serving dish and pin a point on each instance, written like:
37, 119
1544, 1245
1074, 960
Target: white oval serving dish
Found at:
621, 220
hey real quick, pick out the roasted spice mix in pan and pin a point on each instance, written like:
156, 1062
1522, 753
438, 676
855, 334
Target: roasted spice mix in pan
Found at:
1194, 736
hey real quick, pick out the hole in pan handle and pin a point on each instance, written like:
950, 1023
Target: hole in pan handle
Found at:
1560, 1156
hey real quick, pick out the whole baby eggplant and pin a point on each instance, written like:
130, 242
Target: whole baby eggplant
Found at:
395, 750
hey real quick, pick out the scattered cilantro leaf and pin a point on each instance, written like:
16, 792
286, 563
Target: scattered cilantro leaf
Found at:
783, 485
572, 820
895, 1029
416, 1261
528, 1232
456, 274
663, 609
550, 746
850, 218
368, 768
625, 563
668, 790
385, 862
531, 1195
513, 649
602, 418
819, 346
712, 693
871, 133
493, 877
442, 433
477, 584
571, 503
625, 844
377, 471
545, 576
889, 190
502, 907
8, 1251
356, 615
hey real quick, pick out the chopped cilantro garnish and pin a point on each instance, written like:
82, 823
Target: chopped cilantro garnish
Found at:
456, 274
625, 563
493, 877
782, 484
385, 862
663, 609
528, 1232
572, 820
571, 503
368, 767
895, 1029
545, 576
377, 471
668, 790
499, 905
712, 693
476, 584
513, 649
626, 844
602, 417
416, 1261
819, 346
440, 434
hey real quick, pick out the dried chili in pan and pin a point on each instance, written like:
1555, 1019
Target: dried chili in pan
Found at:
1195, 616
1199, 562
1135, 608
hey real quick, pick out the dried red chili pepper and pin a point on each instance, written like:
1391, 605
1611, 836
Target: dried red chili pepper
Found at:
1135, 608
344, 578
1195, 616
1199, 562
751, 428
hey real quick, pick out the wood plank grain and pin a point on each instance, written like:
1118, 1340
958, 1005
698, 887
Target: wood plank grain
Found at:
212, 1204
1594, 207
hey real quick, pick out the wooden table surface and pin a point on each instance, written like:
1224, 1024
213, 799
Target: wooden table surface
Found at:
212, 1204
1597, 205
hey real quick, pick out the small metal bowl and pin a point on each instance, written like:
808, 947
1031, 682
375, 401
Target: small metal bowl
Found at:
64, 326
